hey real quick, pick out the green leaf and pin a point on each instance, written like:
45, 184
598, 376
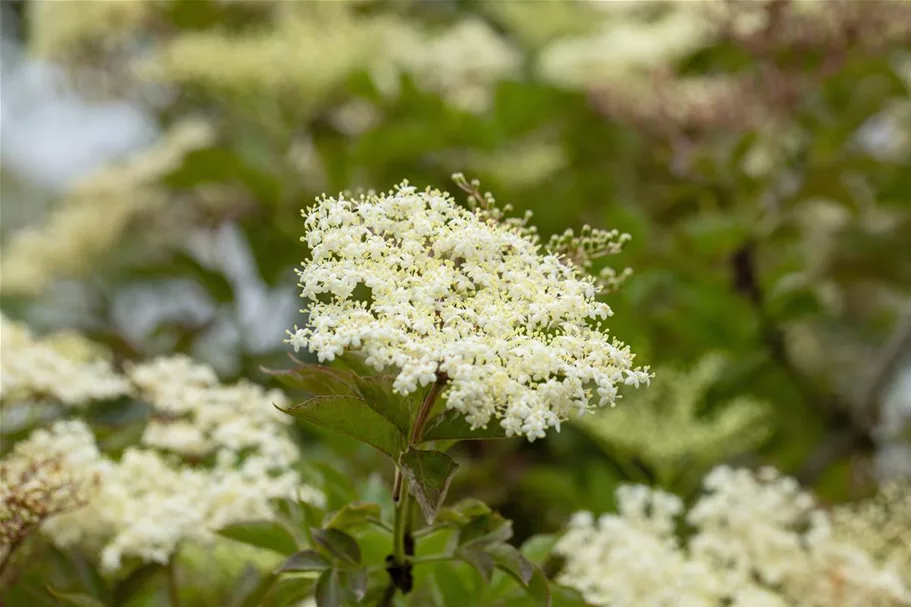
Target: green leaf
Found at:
315, 379
463, 512
451, 425
453, 581
354, 581
305, 560
353, 362
428, 474
375, 545
352, 417
270, 535
512, 562
250, 588
487, 529
397, 408
541, 593
339, 544
472, 507
538, 548
258, 590
328, 590
539, 588
128, 587
74, 598
561, 596
291, 590
479, 559
354, 514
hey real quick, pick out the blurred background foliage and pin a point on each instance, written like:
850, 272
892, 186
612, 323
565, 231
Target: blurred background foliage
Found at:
157, 153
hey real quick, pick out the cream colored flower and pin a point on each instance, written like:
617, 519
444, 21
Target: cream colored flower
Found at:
94, 215
757, 540
454, 293
62, 368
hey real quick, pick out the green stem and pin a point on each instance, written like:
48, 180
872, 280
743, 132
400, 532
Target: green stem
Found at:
399, 488
173, 585
400, 526
400, 494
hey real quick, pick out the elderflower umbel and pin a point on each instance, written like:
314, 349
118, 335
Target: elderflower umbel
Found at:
97, 212
211, 455
62, 368
457, 295
881, 524
758, 540
196, 415
47, 475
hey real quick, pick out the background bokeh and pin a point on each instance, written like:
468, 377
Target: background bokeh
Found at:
156, 155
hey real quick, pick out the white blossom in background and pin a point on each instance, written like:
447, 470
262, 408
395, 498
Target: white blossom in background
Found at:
211, 455
456, 294
326, 40
63, 368
199, 415
625, 47
51, 473
57, 29
881, 525
463, 63
96, 212
758, 541
632, 558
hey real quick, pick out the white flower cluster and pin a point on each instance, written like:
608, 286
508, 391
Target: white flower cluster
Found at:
627, 46
456, 295
196, 415
47, 475
96, 213
326, 42
462, 63
881, 524
63, 30
164, 491
758, 541
59, 367
633, 558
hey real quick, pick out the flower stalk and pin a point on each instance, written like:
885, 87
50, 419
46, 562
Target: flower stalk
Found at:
400, 567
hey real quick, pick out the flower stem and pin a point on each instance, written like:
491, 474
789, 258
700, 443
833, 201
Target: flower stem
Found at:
173, 586
402, 546
417, 429
399, 527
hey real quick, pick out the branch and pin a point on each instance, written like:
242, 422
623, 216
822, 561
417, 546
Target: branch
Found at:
884, 365
850, 427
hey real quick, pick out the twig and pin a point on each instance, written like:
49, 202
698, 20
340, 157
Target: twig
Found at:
850, 427
884, 365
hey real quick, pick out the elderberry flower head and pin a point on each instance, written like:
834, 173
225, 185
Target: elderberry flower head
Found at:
461, 295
